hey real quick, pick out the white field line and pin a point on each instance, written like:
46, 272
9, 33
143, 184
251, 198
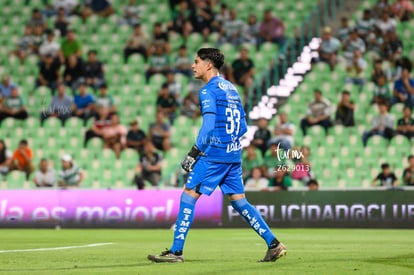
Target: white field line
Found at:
54, 248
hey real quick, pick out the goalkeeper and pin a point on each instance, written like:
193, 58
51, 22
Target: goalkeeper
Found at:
215, 159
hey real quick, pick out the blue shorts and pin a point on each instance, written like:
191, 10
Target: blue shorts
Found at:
207, 175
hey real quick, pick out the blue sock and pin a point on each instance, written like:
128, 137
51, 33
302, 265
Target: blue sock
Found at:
183, 222
254, 219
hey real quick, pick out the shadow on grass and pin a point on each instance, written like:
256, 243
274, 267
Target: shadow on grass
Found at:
403, 260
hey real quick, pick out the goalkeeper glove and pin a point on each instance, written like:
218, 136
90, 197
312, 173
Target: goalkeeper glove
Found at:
190, 159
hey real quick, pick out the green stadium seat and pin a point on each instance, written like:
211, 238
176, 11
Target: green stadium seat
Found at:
16, 180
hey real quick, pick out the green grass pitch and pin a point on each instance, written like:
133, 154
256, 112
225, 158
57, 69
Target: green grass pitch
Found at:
208, 251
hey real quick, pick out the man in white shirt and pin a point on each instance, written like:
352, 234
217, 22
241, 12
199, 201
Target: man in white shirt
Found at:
328, 48
319, 113
382, 125
45, 176
50, 46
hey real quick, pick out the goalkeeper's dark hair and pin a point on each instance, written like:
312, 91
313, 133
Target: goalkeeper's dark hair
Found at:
214, 55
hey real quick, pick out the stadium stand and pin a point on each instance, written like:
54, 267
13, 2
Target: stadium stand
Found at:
338, 159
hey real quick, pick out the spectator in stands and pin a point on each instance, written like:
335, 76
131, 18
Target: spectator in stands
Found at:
61, 106
69, 6
386, 178
74, 72
252, 32
45, 176
404, 89
94, 70
303, 168
71, 175
48, 73
132, 13
114, 136
328, 49
136, 137
256, 182
403, 63
352, 43
180, 23
37, 38
201, 17
102, 119
71, 45
61, 22
318, 113
37, 19
382, 125
392, 47
13, 106
149, 167
365, 25
402, 10
6, 87
378, 71
313, 185
22, 159
272, 29
385, 23
283, 133
343, 32
243, 70
50, 46
101, 8
232, 30
105, 100
5, 159
380, 7
252, 158
345, 110
220, 17
356, 67
159, 133
405, 125
137, 44
262, 135
166, 103
190, 108
382, 92
174, 87
158, 63
84, 103
281, 181
26, 45
159, 39
374, 43
408, 173
183, 62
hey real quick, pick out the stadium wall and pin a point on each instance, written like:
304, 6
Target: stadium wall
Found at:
159, 208
330, 209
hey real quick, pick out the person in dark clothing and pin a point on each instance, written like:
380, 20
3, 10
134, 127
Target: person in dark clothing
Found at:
48, 73
345, 111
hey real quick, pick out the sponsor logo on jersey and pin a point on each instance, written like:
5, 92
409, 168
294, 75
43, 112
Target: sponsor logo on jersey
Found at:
233, 147
226, 86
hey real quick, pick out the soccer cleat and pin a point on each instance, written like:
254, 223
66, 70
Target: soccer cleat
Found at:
167, 256
273, 254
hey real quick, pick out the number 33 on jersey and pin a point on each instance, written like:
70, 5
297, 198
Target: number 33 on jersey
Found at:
221, 98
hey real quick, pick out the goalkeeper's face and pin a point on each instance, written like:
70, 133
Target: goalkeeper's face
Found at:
201, 67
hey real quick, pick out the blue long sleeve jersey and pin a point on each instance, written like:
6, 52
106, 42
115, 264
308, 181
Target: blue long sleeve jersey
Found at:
224, 121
